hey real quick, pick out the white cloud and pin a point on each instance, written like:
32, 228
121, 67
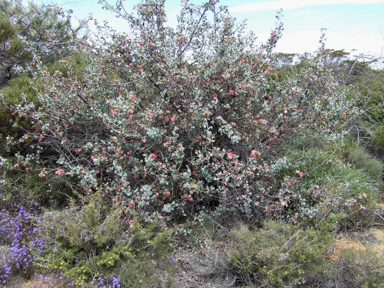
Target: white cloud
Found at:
294, 4
369, 44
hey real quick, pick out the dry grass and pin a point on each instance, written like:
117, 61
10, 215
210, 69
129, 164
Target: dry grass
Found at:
371, 240
205, 267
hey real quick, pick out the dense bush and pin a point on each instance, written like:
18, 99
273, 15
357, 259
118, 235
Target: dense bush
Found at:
280, 255
355, 268
53, 191
158, 124
96, 243
329, 190
362, 160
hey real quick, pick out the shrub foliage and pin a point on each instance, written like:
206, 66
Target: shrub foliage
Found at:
173, 121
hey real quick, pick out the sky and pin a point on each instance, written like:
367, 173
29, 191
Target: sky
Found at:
356, 26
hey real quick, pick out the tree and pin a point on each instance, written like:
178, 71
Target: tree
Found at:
28, 31
172, 122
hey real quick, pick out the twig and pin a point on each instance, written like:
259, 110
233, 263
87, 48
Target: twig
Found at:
289, 240
379, 216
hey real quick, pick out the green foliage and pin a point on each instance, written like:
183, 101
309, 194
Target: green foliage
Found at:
27, 31
8, 34
329, 191
279, 255
355, 268
52, 191
21, 90
18, 89
76, 63
362, 160
306, 143
193, 122
97, 240
30, 30
378, 139
368, 84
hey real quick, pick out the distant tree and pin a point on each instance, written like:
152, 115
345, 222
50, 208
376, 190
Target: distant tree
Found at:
28, 31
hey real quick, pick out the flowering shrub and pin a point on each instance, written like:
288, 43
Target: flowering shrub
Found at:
172, 122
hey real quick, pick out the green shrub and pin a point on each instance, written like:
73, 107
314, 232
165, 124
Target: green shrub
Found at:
24, 185
76, 63
362, 160
96, 240
378, 138
325, 190
279, 255
20, 90
306, 143
355, 269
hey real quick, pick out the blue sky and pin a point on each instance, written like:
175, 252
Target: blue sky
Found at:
350, 24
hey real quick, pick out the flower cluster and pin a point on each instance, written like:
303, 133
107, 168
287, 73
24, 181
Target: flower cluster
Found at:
54, 281
107, 282
18, 230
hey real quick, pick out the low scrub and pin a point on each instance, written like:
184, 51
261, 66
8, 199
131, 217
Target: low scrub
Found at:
325, 189
362, 160
278, 255
98, 244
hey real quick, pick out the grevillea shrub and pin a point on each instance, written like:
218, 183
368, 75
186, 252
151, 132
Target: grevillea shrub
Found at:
171, 122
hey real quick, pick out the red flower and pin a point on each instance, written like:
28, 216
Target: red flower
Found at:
231, 92
215, 95
230, 155
154, 156
255, 153
60, 172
